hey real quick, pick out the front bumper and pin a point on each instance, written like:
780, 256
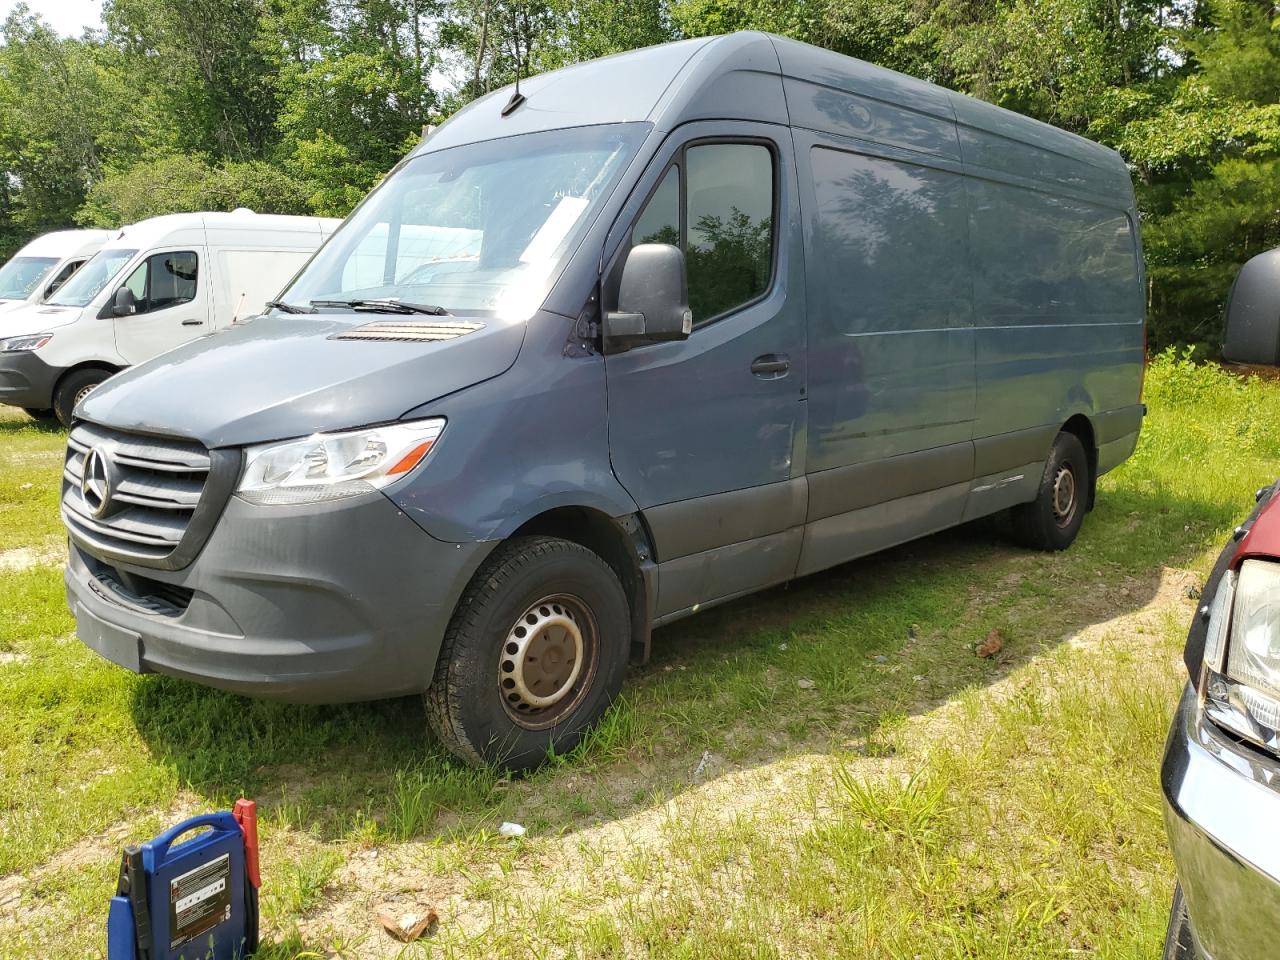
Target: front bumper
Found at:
1222, 801
323, 603
26, 380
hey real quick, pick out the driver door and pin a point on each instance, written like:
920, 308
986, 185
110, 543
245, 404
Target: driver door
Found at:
171, 289
706, 433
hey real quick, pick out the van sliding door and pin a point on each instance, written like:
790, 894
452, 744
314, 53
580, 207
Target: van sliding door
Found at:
891, 351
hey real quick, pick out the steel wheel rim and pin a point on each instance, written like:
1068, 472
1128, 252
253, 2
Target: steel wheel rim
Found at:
1064, 495
547, 661
82, 393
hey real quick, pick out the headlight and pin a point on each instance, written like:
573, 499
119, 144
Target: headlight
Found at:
1242, 687
329, 466
30, 341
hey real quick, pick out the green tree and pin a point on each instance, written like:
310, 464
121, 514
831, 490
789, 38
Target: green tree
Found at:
199, 63
354, 91
182, 184
53, 106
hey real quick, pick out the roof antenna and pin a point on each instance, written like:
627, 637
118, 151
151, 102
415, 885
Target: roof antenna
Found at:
517, 98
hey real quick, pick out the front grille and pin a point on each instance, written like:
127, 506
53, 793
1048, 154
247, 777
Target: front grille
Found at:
155, 485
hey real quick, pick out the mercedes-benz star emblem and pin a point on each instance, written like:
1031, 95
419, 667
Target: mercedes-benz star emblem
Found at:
95, 485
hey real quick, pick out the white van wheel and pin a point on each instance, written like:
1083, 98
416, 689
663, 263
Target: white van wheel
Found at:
73, 388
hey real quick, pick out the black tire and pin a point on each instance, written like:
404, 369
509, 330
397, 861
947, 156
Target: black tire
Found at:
37, 413
71, 390
1179, 943
1052, 520
475, 703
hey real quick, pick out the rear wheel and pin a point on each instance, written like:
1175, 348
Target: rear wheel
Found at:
534, 655
1052, 520
73, 388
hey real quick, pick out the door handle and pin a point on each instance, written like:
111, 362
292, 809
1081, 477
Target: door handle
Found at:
193, 323
771, 366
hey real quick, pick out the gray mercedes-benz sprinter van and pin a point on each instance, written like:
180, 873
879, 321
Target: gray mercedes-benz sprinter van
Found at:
671, 327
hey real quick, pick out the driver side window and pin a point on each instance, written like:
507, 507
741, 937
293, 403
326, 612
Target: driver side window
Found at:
716, 204
164, 280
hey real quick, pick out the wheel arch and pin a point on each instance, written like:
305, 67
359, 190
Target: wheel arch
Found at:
110, 369
103, 366
623, 543
1081, 427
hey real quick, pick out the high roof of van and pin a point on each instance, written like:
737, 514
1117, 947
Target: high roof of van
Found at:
66, 243
759, 76
192, 227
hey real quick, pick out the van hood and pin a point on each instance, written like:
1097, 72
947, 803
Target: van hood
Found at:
18, 317
279, 377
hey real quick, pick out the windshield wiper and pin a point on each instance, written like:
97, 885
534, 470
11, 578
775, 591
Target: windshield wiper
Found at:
285, 307
385, 306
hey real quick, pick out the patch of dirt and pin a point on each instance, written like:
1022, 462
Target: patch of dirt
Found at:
1260, 370
19, 559
35, 456
91, 851
1170, 594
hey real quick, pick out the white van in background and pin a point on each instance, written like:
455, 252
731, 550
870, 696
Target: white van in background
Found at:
154, 285
45, 264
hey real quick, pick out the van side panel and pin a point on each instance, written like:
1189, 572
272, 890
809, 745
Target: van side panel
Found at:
244, 280
891, 399
1058, 312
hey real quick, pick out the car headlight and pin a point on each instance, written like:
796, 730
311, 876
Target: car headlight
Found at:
329, 466
29, 341
1241, 686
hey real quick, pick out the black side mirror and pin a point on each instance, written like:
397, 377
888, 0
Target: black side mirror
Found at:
125, 303
653, 298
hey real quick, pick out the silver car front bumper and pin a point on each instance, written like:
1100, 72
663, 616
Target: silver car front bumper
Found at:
1222, 811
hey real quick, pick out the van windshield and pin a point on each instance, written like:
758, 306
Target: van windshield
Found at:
91, 278
20, 276
479, 229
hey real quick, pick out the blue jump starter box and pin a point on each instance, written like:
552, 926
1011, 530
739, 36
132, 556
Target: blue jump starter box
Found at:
191, 900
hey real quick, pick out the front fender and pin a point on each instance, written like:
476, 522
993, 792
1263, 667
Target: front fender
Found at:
530, 440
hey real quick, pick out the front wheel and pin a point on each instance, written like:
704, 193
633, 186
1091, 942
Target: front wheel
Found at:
1052, 520
534, 655
73, 388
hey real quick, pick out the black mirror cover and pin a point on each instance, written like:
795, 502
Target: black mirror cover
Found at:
653, 297
125, 304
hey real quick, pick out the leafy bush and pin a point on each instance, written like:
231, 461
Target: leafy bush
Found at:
181, 184
1207, 427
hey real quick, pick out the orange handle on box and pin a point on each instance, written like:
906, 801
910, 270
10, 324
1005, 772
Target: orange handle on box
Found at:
246, 814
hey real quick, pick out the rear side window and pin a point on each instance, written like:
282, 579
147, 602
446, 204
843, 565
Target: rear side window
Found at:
1045, 258
890, 245
164, 280
724, 223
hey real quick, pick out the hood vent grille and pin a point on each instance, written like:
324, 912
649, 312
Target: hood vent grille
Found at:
410, 331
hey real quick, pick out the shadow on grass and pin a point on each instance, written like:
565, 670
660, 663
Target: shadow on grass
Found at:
21, 422
725, 681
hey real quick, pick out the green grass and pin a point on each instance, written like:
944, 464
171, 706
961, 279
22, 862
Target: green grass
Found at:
916, 801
